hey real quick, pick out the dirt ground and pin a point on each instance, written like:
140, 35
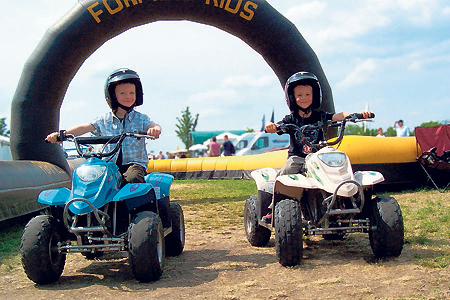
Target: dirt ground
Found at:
225, 266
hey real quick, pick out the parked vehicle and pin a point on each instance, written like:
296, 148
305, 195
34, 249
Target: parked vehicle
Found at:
260, 142
101, 214
328, 199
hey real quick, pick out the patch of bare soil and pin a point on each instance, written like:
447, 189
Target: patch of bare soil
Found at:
225, 266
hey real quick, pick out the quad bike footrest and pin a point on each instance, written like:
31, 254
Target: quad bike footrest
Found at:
352, 226
86, 229
344, 211
118, 245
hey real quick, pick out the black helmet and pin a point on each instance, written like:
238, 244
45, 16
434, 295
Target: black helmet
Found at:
122, 75
303, 78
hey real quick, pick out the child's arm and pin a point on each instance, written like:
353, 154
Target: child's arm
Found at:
76, 131
340, 116
154, 130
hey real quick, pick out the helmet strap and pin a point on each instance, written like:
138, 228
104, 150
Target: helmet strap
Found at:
126, 108
305, 110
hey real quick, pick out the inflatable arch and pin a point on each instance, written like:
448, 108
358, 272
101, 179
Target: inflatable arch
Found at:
66, 45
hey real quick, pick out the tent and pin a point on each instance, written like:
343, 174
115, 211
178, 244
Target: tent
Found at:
435, 159
232, 137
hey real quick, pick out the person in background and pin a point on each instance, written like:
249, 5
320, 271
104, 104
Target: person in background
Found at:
380, 132
400, 129
214, 147
160, 155
228, 148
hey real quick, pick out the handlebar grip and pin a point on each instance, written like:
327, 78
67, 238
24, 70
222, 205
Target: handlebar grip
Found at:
360, 116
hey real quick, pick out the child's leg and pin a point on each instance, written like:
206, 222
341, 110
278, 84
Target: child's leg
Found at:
133, 173
294, 165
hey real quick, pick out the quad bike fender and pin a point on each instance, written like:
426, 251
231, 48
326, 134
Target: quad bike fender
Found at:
366, 178
58, 196
132, 190
264, 179
292, 186
160, 182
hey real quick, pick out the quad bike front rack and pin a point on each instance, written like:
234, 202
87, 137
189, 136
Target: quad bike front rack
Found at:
346, 224
86, 242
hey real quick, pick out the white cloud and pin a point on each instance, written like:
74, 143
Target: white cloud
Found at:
307, 11
446, 10
248, 81
419, 12
361, 74
222, 96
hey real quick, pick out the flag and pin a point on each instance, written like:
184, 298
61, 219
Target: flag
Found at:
263, 123
272, 119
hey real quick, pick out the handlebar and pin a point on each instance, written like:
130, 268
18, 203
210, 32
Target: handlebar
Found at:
309, 133
105, 140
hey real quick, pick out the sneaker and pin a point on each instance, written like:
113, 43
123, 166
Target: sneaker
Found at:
267, 218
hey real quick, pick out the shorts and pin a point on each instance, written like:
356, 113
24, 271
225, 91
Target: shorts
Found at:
294, 165
133, 173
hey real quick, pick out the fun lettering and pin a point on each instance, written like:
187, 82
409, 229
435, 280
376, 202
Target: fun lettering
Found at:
111, 9
245, 9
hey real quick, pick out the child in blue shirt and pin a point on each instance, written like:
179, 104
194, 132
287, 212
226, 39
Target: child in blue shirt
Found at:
123, 92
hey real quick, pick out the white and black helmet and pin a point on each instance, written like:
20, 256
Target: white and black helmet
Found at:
303, 78
122, 75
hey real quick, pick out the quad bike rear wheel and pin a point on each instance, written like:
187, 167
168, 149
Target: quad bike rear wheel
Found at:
42, 261
288, 232
257, 235
387, 232
176, 239
146, 246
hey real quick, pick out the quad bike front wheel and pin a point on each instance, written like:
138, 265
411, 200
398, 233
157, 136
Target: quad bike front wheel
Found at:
42, 261
257, 235
387, 232
288, 232
146, 246
176, 239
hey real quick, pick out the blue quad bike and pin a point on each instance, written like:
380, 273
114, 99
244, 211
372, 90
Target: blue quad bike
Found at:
101, 214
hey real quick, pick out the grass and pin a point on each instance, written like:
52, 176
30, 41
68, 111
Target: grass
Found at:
218, 205
426, 215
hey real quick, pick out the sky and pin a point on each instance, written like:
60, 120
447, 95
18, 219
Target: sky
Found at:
390, 55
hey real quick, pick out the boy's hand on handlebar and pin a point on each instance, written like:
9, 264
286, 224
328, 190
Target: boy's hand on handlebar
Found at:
271, 128
52, 137
154, 131
365, 114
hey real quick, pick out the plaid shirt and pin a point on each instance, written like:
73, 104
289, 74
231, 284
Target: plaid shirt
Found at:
133, 150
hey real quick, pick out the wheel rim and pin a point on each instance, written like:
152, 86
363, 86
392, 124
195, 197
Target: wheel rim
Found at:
159, 247
248, 221
182, 229
53, 249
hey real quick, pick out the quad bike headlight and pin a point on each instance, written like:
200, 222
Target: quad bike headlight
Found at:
333, 159
90, 173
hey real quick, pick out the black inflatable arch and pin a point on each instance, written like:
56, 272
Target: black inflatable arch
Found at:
66, 45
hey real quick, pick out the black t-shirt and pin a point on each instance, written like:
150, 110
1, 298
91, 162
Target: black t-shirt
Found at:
299, 148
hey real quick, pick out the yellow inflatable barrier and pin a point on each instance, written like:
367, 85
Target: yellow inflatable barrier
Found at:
394, 157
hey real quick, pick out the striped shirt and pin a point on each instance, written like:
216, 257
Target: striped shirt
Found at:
133, 150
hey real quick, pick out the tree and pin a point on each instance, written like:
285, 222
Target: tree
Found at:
3, 130
430, 124
186, 125
359, 130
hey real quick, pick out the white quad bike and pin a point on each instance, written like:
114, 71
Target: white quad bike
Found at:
328, 199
